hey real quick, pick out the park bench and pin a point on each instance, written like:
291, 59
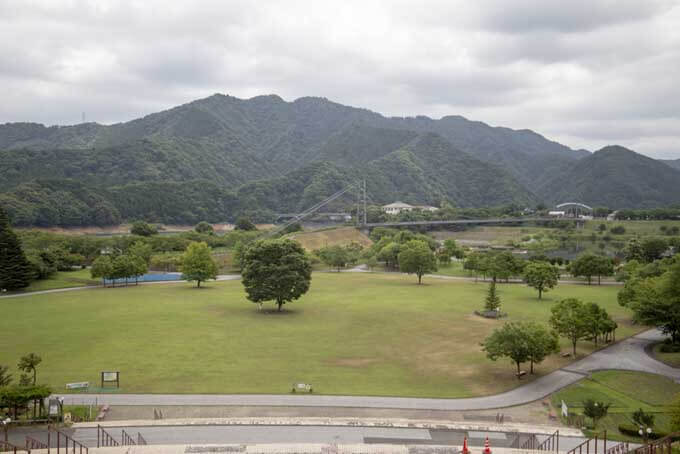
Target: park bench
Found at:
301, 387
78, 385
521, 373
565, 354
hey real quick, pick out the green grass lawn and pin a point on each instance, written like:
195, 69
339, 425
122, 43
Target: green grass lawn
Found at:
371, 334
626, 392
672, 359
63, 279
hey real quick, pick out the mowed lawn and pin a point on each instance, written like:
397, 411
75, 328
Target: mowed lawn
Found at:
625, 392
362, 334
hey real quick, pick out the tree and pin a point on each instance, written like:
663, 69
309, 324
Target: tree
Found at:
138, 267
29, 364
371, 262
335, 256
502, 265
452, 249
509, 341
542, 276
655, 301
142, 250
417, 258
603, 267
570, 319
653, 248
16, 271
641, 418
205, 228
634, 251
244, 223
277, 270
598, 321
587, 265
492, 302
390, 254
541, 343
5, 376
102, 267
198, 263
143, 228
123, 267
595, 410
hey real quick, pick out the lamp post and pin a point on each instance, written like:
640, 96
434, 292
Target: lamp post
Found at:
5, 426
645, 432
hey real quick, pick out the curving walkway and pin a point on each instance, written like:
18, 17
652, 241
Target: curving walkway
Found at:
628, 354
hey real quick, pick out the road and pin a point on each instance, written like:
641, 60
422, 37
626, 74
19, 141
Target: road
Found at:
628, 354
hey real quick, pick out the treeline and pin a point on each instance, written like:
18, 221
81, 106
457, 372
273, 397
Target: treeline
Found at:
660, 214
68, 203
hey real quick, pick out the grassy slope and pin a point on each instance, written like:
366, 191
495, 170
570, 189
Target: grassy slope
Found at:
331, 237
63, 279
351, 334
626, 392
672, 359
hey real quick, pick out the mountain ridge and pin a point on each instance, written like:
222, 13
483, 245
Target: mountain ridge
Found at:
264, 155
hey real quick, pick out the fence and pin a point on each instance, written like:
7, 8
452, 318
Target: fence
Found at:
9, 447
104, 438
592, 442
661, 446
68, 442
126, 439
552, 443
32, 443
621, 448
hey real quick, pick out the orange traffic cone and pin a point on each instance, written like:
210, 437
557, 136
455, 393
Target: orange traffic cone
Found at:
465, 447
487, 448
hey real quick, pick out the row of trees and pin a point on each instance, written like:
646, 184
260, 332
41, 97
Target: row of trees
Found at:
531, 342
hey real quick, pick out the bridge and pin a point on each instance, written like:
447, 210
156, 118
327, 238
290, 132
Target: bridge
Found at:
515, 220
361, 214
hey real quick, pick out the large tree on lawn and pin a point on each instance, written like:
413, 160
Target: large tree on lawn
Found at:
198, 263
275, 270
417, 258
542, 276
570, 318
510, 341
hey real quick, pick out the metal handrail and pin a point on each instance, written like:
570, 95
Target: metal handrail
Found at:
140, 440
32, 443
104, 438
586, 443
657, 446
67, 439
531, 442
126, 439
552, 443
621, 448
9, 447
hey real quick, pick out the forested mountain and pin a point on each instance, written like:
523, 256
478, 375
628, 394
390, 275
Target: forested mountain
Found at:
217, 157
617, 177
675, 163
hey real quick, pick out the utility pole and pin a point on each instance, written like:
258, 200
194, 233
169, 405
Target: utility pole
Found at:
364, 201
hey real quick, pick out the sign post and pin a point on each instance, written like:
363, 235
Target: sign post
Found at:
111, 377
565, 410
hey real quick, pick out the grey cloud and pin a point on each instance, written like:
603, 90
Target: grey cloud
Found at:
587, 72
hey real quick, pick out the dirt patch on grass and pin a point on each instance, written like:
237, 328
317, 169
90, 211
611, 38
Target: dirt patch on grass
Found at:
353, 362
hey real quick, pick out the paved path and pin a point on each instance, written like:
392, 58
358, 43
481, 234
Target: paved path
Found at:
357, 269
628, 354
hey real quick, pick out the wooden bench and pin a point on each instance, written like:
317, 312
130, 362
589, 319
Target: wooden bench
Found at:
301, 387
521, 373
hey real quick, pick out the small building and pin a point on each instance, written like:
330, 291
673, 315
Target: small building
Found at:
427, 208
397, 207
556, 214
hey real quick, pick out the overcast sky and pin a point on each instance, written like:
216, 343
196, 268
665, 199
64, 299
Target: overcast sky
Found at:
586, 73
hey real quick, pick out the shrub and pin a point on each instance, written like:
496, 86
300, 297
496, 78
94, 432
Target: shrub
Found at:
632, 430
618, 230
